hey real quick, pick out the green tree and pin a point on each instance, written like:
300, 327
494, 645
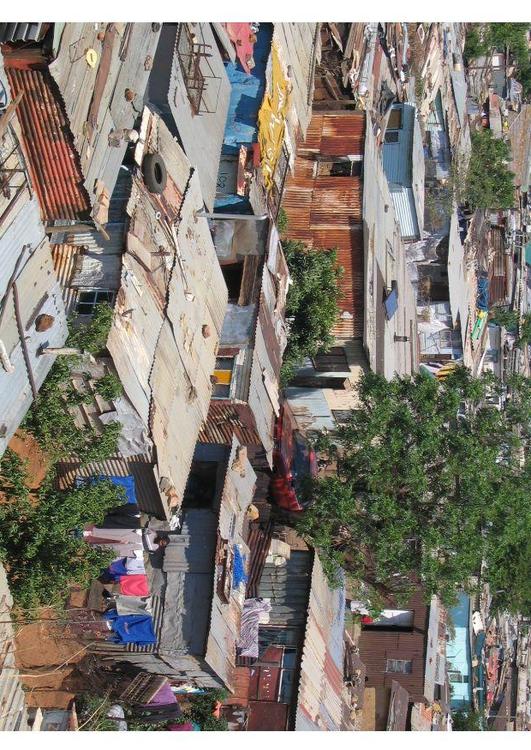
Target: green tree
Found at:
482, 38
312, 305
425, 473
488, 183
510, 320
41, 554
506, 318
476, 45
467, 721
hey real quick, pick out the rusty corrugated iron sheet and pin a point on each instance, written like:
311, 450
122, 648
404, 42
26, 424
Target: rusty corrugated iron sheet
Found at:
226, 420
325, 212
323, 699
376, 646
64, 261
48, 144
258, 542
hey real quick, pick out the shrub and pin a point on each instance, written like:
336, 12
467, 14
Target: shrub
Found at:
92, 337
109, 387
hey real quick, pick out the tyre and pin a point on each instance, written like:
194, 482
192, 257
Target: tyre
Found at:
154, 173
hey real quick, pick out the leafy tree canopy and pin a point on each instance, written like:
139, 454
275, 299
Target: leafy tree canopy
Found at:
467, 721
431, 480
312, 304
481, 38
43, 558
488, 182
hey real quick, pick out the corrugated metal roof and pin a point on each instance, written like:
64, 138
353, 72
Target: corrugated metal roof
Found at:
326, 212
22, 32
64, 262
140, 467
397, 157
288, 588
310, 408
48, 144
13, 714
201, 135
323, 699
398, 708
299, 46
156, 339
197, 621
406, 212
225, 420
225, 617
94, 98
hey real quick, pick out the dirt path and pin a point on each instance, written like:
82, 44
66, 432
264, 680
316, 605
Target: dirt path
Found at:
37, 462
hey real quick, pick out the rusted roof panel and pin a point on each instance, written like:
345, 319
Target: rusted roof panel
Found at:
140, 467
323, 699
398, 708
226, 420
258, 543
325, 212
48, 144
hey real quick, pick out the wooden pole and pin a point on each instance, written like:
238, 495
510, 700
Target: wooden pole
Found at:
21, 334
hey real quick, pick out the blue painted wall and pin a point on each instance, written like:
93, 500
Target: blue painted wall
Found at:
458, 655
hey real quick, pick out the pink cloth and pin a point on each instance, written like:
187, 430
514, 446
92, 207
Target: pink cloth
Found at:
188, 727
240, 35
135, 585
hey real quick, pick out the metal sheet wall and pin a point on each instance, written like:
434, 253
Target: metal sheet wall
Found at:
326, 212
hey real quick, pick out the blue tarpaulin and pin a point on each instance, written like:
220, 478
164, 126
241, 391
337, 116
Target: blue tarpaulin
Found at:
482, 301
391, 304
238, 570
128, 483
131, 628
247, 93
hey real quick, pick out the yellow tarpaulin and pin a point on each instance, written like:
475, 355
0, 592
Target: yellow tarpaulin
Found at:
272, 119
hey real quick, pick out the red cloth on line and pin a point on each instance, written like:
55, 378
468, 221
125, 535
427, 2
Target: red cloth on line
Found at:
135, 585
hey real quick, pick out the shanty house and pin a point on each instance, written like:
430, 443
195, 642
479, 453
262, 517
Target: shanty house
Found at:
406, 647
32, 312
100, 73
403, 160
239, 155
296, 682
245, 398
77, 112
169, 308
323, 204
199, 590
190, 89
